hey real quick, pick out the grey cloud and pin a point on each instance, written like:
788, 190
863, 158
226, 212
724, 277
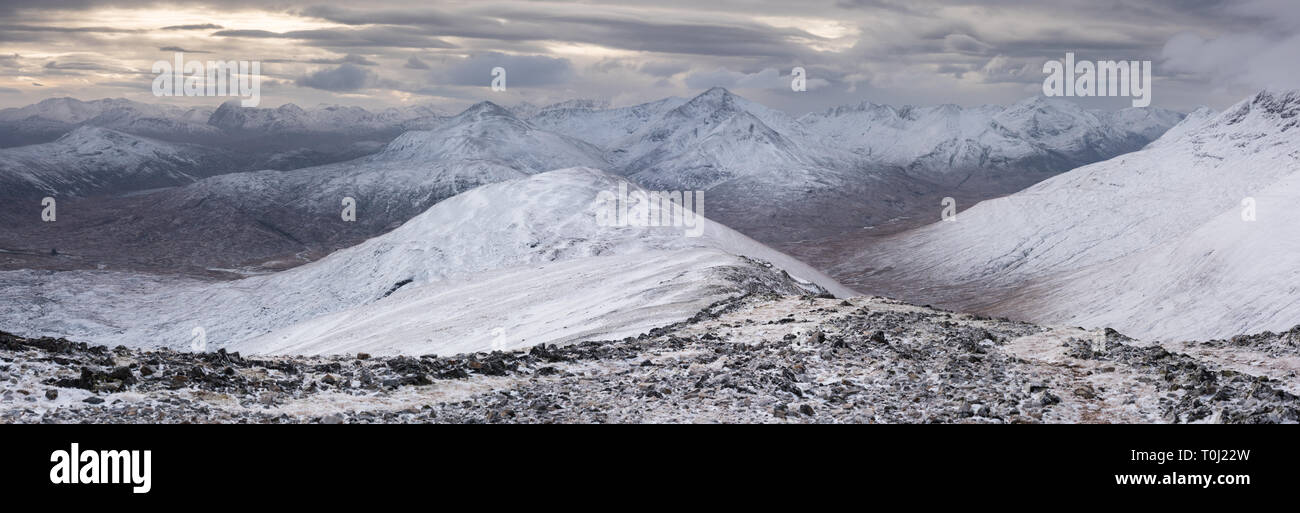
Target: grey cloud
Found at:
524, 24
608, 65
370, 37
521, 70
1248, 60
1002, 69
768, 78
664, 68
139, 85
198, 26
347, 77
963, 43
899, 44
74, 66
179, 49
347, 59
415, 63
51, 28
886, 5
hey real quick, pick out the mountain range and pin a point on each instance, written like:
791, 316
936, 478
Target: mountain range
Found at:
285, 137
1118, 215
781, 180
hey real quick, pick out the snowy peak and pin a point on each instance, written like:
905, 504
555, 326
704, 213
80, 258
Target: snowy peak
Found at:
546, 217
1249, 126
487, 133
706, 103
706, 141
482, 110
91, 160
1279, 110
1048, 119
713, 114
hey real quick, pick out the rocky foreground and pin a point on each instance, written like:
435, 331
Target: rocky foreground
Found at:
751, 359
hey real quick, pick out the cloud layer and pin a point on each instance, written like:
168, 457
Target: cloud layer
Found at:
388, 52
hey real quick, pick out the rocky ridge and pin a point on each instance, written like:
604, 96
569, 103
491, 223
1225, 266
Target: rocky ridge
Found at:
757, 358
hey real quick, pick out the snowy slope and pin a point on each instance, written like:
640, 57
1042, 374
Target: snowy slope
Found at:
1149, 234
454, 268
92, 160
1224, 278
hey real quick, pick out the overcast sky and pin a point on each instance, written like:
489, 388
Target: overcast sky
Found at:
394, 52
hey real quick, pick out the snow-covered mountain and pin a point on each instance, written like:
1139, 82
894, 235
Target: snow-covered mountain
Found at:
707, 141
484, 144
784, 180
948, 142
248, 218
47, 120
157, 119
91, 160
290, 118
601, 126
527, 256
286, 137
74, 112
1152, 243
